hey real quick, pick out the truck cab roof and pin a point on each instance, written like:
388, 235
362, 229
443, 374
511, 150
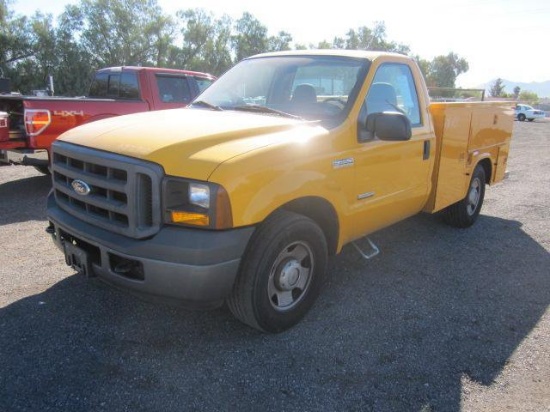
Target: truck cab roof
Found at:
116, 69
359, 54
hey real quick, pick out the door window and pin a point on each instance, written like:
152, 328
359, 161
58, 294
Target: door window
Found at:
173, 89
203, 83
115, 85
393, 89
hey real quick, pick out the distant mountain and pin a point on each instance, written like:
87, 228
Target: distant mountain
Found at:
542, 89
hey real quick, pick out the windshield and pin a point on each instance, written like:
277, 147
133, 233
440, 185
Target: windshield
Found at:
311, 87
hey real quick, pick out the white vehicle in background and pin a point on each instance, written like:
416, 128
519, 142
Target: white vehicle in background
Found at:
524, 112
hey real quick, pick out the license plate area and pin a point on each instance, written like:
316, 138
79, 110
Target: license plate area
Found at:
78, 259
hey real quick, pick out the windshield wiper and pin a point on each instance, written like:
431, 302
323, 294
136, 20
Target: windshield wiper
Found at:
202, 103
264, 109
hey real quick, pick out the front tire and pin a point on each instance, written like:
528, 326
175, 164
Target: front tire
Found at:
464, 213
281, 273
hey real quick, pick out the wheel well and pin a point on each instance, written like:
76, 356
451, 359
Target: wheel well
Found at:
322, 213
488, 168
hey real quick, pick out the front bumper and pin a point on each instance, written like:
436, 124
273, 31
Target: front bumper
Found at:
192, 266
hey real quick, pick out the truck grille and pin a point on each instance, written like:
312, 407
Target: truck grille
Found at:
117, 193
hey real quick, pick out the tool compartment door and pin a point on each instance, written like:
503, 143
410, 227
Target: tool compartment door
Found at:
452, 128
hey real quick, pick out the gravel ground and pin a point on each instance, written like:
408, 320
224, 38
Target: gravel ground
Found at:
442, 320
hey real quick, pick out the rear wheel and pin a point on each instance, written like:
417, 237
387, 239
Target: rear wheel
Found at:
521, 117
465, 212
281, 274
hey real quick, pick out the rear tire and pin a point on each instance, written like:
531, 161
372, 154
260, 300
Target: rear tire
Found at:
464, 213
281, 273
521, 117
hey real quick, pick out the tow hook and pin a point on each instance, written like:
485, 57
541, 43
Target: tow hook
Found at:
50, 230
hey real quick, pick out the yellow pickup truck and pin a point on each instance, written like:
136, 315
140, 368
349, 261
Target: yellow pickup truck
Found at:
289, 156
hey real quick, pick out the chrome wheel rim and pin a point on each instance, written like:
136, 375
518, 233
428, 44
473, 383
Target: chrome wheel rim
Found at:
290, 276
473, 196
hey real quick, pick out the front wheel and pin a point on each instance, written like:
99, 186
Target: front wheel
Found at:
464, 213
281, 274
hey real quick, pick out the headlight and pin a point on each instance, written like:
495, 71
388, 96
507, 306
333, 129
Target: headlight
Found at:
199, 195
195, 204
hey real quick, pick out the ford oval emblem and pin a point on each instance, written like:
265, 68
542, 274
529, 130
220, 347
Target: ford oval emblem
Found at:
80, 187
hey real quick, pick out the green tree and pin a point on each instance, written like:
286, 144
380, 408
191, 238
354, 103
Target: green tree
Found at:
75, 64
529, 97
365, 38
423, 65
443, 70
27, 49
37, 70
250, 38
217, 58
99, 33
280, 42
300, 46
497, 88
124, 32
324, 45
16, 41
197, 29
206, 42
517, 90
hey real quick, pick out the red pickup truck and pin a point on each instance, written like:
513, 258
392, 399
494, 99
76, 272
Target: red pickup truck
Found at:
29, 125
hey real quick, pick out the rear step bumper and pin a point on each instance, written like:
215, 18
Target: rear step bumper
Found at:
27, 157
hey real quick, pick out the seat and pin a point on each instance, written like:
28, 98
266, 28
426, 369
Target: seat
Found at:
381, 98
304, 94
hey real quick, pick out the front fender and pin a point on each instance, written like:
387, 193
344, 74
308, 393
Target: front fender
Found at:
263, 181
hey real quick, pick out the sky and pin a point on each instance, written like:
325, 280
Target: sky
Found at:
506, 39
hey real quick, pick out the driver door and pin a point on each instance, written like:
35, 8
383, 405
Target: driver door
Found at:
392, 177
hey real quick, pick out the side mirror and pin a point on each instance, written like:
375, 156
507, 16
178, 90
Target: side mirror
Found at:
392, 126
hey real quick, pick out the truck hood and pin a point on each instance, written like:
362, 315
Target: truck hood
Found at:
190, 142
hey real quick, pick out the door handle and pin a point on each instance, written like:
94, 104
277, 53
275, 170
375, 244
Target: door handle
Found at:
426, 154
